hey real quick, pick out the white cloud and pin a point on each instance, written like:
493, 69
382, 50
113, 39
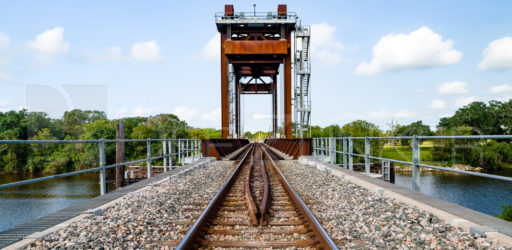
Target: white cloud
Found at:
386, 114
452, 88
437, 104
5, 102
463, 101
4, 77
506, 98
211, 51
146, 51
324, 46
499, 89
420, 91
259, 116
212, 116
404, 113
113, 54
49, 44
4, 49
185, 113
420, 49
138, 111
497, 55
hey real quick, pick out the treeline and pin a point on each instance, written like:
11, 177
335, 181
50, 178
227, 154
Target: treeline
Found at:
83, 125
477, 118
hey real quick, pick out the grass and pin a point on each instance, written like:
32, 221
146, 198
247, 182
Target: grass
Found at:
404, 153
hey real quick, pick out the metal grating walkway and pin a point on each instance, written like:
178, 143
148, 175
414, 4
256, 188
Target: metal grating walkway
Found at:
15, 234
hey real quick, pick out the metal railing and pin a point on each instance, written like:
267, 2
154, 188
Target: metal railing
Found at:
186, 148
255, 15
325, 148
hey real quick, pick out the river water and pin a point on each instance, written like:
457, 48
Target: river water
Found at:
25, 203
478, 193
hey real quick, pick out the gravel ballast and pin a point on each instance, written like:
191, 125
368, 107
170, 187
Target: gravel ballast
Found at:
358, 218
146, 219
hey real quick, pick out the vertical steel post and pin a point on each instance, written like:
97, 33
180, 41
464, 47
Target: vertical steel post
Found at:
350, 158
332, 149
200, 147
322, 153
120, 154
187, 149
314, 147
164, 149
170, 153
416, 162
367, 151
224, 79
326, 144
103, 174
344, 153
148, 146
179, 151
193, 150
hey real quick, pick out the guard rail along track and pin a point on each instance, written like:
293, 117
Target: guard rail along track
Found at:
256, 207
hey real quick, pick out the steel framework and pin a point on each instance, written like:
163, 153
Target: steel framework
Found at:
302, 97
253, 48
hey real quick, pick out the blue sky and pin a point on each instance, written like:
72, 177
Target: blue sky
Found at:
373, 60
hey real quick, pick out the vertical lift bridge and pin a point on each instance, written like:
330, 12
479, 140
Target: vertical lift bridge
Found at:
253, 48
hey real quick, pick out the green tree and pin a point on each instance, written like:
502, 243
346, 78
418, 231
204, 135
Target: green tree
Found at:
415, 128
73, 121
40, 154
13, 157
361, 128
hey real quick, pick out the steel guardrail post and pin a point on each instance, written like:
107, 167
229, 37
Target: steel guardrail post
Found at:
200, 148
148, 146
193, 150
367, 152
344, 150
164, 153
314, 147
179, 151
322, 152
170, 153
332, 149
416, 162
103, 175
350, 157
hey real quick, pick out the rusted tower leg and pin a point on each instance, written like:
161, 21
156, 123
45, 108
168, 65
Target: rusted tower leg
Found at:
237, 107
224, 78
274, 106
288, 90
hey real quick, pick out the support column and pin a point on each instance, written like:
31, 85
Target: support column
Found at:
416, 162
288, 89
237, 106
120, 154
224, 79
274, 105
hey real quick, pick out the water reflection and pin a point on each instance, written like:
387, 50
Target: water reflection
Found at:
25, 203
478, 193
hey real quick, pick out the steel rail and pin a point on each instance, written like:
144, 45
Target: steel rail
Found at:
323, 237
266, 192
195, 230
249, 201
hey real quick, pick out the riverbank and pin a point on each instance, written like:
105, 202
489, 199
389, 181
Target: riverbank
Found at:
408, 168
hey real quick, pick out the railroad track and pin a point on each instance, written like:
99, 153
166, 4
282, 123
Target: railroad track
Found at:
256, 208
